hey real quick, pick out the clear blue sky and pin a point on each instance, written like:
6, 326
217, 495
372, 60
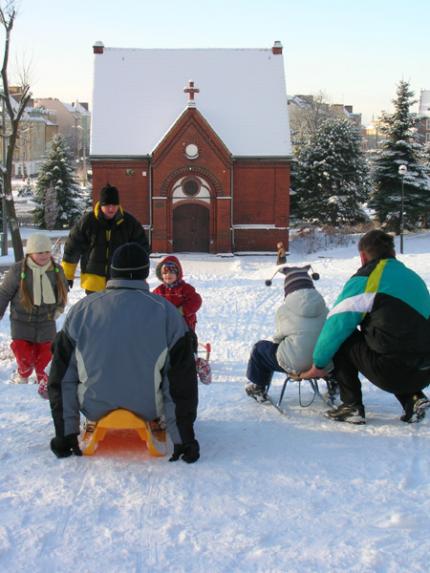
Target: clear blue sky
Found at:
354, 52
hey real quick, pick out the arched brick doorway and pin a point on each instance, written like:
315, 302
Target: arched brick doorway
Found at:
191, 228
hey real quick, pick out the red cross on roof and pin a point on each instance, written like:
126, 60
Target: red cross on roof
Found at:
191, 90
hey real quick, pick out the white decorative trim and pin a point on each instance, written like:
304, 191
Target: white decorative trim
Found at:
230, 198
203, 193
163, 198
187, 199
191, 151
361, 303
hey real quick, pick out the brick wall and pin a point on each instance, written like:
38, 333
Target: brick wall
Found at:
132, 180
260, 189
261, 197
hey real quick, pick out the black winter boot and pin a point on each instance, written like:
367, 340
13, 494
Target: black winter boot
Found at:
415, 407
259, 393
351, 413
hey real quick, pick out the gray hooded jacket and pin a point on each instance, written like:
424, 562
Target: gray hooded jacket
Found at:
124, 348
299, 321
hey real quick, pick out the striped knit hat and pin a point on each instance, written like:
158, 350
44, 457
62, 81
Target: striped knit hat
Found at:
296, 278
130, 261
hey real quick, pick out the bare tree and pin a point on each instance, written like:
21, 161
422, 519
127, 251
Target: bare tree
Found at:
13, 110
307, 113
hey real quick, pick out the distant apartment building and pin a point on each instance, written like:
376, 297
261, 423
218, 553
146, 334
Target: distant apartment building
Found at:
423, 123
372, 136
35, 133
347, 111
306, 113
74, 124
424, 105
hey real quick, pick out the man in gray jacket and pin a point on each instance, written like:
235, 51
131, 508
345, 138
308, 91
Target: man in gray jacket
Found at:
124, 348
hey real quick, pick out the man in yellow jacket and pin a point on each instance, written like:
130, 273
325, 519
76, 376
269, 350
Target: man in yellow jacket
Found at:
96, 236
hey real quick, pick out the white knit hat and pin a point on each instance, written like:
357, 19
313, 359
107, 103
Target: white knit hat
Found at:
38, 244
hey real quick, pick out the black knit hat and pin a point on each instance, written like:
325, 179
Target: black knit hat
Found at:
109, 195
296, 278
130, 261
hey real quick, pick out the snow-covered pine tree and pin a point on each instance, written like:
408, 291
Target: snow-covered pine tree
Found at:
399, 148
332, 178
56, 180
51, 208
86, 198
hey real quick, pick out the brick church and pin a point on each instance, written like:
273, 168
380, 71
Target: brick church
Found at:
198, 143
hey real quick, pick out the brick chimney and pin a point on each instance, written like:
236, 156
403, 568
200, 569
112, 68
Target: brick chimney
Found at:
277, 47
98, 48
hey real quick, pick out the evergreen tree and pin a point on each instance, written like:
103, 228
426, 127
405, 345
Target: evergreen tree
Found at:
57, 194
51, 208
426, 156
399, 148
332, 179
87, 198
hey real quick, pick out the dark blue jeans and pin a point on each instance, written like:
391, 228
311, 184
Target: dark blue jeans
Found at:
263, 363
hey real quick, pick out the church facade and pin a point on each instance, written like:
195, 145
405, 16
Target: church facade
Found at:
204, 164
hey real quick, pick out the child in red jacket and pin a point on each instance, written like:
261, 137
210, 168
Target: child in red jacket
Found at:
184, 296
186, 299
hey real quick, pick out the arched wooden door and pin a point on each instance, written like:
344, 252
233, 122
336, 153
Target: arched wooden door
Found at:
191, 228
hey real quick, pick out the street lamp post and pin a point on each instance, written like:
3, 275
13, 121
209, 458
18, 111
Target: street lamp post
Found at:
402, 172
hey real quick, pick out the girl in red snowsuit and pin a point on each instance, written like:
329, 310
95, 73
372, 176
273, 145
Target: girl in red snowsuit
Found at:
184, 296
186, 300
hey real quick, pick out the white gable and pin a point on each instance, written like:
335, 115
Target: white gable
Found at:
138, 95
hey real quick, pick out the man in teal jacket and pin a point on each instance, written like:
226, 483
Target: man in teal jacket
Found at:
379, 326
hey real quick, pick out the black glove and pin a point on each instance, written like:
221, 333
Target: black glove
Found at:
189, 452
70, 283
66, 446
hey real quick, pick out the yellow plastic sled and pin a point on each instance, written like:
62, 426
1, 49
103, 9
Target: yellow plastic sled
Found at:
123, 420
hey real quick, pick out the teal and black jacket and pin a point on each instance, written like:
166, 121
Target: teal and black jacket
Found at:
391, 304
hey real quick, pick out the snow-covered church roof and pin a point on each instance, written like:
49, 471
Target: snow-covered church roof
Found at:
138, 95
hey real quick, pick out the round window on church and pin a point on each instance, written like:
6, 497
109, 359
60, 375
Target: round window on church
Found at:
191, 186
192, 151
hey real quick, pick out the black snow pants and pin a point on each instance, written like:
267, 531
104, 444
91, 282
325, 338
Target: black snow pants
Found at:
386, 372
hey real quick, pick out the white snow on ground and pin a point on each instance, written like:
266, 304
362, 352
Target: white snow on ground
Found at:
271, 493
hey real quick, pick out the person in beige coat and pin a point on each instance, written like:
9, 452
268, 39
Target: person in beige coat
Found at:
36, 290
299, 321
